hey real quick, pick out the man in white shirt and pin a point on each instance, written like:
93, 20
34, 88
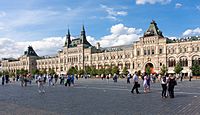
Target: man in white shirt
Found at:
40, 82
136, 84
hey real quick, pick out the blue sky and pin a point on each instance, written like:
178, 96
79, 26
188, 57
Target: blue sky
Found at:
111, 22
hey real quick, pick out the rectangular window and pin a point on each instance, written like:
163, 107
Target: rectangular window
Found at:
160, 52
152, 51
148, 52
138, 53
145, 53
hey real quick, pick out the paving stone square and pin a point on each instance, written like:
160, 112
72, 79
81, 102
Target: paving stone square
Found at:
98, 97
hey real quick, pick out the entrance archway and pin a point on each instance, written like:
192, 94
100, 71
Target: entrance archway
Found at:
151, 67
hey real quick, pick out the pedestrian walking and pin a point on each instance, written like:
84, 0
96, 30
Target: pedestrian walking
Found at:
171, 84
61, 79
128, 78
145, 84
190, 77
164, 86
136, 84
115, 78
7, 79
3, 79
148, 82
72, 79
40, 83
22, 80
68, 81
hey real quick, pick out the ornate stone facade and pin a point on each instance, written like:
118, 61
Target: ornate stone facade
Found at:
152, 49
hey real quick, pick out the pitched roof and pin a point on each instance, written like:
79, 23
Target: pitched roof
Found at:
153, 30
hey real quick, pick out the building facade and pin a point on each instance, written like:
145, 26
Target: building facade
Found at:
152, 49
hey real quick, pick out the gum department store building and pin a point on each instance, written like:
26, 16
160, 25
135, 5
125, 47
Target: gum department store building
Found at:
152, 49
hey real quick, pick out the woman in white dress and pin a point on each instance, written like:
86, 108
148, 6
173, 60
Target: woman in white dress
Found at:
145, 85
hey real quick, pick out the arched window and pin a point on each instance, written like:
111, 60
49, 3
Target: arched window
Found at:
171, 62
127, 65
196, 59
183, 61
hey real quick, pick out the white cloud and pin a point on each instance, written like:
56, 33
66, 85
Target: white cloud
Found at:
142, 2
112, 13
120, 35
178, 5
32, 22
46, 46
192, 32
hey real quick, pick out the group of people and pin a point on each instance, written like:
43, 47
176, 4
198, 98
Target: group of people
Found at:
168, 82
5, 79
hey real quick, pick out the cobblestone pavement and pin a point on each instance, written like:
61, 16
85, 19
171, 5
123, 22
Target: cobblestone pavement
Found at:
98, 97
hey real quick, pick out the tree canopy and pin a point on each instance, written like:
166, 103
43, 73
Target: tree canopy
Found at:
178, 68
195, 68
164, 70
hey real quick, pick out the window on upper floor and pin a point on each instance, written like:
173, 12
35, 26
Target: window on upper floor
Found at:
160, 51
185, 49
148, 52
180, 50
145, 52
138, 53
152, 51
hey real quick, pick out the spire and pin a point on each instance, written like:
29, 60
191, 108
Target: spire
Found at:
68, 33
68, 40
153, 30
83, 36
83, 31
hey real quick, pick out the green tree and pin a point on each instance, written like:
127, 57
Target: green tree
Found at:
35, 71
43, 71
163, 70
5, 73
101, 71
51, 72
22, 72
80, 72
11, 74
115, 69
195, 68
148, 70
125, 71
108, 71
178, 68
93, 71
18, 72
88, 69
72, 70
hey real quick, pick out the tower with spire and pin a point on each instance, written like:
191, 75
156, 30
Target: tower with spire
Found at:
68, 40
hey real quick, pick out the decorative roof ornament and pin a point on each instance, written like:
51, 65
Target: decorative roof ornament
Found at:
153, 30
30, 52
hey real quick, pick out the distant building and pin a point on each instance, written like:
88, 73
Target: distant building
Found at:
26, 61
152, 49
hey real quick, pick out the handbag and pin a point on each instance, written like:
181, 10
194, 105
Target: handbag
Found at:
138, 85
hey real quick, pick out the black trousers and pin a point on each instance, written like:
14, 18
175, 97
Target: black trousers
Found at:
135, 87
164, 90
171, 91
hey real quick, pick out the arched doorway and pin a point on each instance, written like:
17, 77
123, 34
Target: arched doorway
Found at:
151, 67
